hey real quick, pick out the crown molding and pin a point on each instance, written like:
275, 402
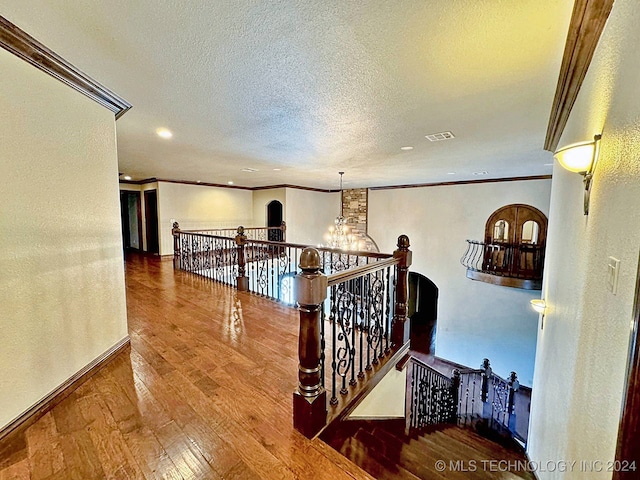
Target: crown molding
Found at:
23, 45
299, 187
587, 23
465, 182
223, 185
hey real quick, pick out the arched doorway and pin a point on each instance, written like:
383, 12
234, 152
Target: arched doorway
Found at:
422, 309
274, 219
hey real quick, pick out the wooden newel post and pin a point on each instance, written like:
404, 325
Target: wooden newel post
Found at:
310, 399
400, 327
486, 375
243, 280
175, 231
455, 394
514, 386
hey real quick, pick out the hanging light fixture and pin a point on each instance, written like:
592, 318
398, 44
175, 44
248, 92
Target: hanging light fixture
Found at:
338, 235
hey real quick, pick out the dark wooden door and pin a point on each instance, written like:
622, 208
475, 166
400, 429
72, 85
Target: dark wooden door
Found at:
628, 450
274, 219
131, 218
151, 220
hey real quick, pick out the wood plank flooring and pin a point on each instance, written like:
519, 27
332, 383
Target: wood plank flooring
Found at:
382, 448
204, 392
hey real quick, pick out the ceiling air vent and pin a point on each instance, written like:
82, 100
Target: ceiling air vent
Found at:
436, 137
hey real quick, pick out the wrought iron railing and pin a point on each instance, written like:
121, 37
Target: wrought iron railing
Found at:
358, 334
213, 257
521, 260
433, 397
264, 267
352, 324
471, 397
272, 234
353, 308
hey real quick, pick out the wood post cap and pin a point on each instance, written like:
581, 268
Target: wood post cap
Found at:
403, 242
310, 259
240, 230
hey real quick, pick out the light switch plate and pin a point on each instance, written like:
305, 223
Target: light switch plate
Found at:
612, 274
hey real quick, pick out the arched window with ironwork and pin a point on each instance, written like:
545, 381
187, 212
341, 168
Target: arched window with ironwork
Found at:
512, 253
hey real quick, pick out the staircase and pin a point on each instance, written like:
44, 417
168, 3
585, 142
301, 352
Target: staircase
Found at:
463, 426
381, 448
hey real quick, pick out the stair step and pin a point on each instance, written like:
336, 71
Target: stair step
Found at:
483, 445
413, 456
382, 448
359, 452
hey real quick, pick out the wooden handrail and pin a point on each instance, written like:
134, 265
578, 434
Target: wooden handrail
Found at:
371, 301
198, 230
358, 253
356, 272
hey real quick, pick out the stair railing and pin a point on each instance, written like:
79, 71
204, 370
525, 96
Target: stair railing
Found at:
263, 267
366, 309
481, 398
272, 234
432, 397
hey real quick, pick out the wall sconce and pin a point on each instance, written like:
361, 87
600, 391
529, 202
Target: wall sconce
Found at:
539, 305
581, 158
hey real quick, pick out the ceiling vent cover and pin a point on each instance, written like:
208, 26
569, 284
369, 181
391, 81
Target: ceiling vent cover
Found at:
436, 137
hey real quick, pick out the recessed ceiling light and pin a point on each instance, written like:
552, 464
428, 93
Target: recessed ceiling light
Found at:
548, 164
249, 170
484, 172
436, 137
164, 133
451, 173
127, 177
230, 182
406, 148
276, 169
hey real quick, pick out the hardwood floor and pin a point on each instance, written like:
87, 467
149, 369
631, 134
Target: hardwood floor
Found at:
203, 393
382, 448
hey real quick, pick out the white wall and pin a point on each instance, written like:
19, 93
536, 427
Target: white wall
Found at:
62, 284
387, 399
475, 319
261, 198
309, 215
200, 207
582, 350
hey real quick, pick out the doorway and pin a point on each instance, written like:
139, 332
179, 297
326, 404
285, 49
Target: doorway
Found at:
274, 219
422, 310
131, 218
151, 220
628, 449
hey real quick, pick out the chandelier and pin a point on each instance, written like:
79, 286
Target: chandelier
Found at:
339, 235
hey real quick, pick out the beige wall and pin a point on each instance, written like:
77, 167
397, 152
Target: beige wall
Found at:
387, 399
309, 215
199, 207
582, 350
62, 284
475, 319
261, 198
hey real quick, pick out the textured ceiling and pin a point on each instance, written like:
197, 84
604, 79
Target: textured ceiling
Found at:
314, 87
